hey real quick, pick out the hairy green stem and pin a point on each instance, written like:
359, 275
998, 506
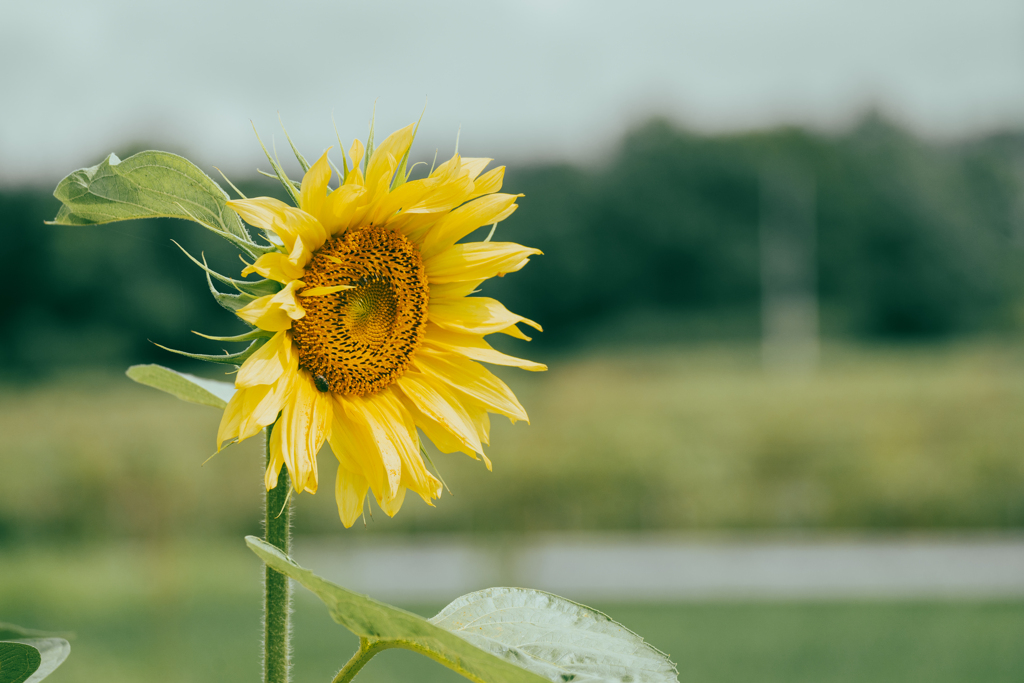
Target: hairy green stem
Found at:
366, 652
277, 591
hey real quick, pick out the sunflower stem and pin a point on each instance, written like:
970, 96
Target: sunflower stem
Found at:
277, 591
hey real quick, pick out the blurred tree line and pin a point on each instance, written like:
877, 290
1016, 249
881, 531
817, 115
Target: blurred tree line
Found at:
915, 239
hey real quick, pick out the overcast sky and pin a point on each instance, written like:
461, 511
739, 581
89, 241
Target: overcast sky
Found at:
553, 79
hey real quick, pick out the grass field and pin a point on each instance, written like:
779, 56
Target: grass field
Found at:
102, 480
173, 613
696, 437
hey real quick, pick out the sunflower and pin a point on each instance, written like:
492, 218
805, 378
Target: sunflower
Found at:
374, 333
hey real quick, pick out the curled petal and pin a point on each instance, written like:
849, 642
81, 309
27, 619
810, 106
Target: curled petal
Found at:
275, 312
276, 266
474, 347
465, 219
475, 315
314, 187
268, 363
477, 261
471, 379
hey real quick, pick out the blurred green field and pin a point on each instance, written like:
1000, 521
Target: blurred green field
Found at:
103, 480
176, 612
685, 438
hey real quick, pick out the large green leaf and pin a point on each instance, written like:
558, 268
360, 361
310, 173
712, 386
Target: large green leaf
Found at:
554, 637
27, 658
149, 185
205, 392
386, 626
495, 635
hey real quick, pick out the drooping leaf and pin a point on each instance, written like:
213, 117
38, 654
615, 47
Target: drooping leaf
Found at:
381, 623
205, 392
149, 185
554, 637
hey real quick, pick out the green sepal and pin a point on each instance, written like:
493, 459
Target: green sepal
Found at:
198, 390
344, 153
401, 175
231, 302
296, 184
286, 182
257, 289
225, 359
255, 333
301, 159
149, 184
369, 140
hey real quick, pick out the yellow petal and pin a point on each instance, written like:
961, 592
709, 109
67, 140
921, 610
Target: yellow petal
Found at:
322, 291
301, 430
274, 466
263, 403
355, 153
472, 379
350, 492
287, 222
477, 261
340, 206
434, 403
314, 187
395, 145
474, 166
489, 182
474, 315
267, 363
230, 420
389, 420
276, 266
392, 505
353, 444
464, 220
474, 347
449, 169
274, 312
454, 290
376, 190
381, 438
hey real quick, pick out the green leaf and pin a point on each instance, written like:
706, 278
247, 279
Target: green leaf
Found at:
149, 185
386, 626
205, 392
554, 637
31, 659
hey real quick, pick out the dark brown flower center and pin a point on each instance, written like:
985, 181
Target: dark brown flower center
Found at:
358, 341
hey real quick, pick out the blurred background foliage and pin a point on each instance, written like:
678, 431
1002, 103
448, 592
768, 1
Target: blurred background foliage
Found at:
915, 241
656, 414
